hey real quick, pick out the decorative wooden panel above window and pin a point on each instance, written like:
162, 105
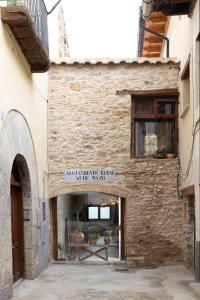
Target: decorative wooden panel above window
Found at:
154, 124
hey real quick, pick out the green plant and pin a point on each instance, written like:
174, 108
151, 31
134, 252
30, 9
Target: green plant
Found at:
170, 148
107, 233
161, 152
94, 229
93, 236
77, 208
16, 3
12, 3
93, 233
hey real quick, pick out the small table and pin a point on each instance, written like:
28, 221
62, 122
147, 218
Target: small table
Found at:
87, 247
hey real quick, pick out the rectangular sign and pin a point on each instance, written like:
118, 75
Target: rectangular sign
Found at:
89, 175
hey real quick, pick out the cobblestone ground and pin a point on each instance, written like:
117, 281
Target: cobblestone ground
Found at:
90, 282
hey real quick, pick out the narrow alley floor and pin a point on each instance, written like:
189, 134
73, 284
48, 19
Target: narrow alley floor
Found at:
103, 282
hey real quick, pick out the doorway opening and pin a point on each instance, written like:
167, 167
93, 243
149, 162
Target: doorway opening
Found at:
20, 194
88, 226
17, 224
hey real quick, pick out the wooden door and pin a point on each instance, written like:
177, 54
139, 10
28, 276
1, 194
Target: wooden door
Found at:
194, 243
54, 225
123, 209
17, 232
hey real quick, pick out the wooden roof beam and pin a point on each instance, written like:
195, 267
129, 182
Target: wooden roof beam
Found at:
153, 44
160, 22
152, 39
158, 19
151, 53
156, 27
151, 48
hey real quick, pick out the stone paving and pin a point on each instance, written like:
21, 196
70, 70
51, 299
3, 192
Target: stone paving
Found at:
103, 282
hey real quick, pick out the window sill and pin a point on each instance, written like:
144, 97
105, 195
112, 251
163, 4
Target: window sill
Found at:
152, 157
142, 156
185, 111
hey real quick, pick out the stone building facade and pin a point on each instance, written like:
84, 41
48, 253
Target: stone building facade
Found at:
89, 123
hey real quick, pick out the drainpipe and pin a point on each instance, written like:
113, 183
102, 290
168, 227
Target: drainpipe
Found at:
146, 9
54, 7
146, 13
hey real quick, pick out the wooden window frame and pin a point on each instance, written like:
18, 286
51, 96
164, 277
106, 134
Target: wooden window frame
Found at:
154, 116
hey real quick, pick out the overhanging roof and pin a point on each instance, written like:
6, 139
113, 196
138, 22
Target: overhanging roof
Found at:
150, 45
173, 7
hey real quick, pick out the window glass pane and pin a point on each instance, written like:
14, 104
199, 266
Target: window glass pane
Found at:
166, 108
143, 107
150, 136
93, 212
105, 212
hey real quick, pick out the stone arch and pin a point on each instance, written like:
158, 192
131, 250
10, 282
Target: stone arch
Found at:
111, 189
99, 188
16, 143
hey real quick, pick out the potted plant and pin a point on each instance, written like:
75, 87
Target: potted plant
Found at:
78, 236
107, 236
93, 235
161, 152
77, 208
170, 151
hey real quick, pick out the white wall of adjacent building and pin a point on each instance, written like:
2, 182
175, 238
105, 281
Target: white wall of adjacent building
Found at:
27, 93
183, 33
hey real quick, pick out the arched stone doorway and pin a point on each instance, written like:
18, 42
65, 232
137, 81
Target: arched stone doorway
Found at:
17, 148
88, 198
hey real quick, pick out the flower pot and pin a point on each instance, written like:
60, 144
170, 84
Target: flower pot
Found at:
77, 237
107, 240
170, 155
160, 155
92, 242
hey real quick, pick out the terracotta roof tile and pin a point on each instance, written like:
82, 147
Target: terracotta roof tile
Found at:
105, 61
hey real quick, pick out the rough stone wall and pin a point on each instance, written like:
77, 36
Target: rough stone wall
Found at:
90, 127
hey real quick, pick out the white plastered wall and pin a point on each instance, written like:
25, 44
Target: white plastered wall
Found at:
27, 93
182, 33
